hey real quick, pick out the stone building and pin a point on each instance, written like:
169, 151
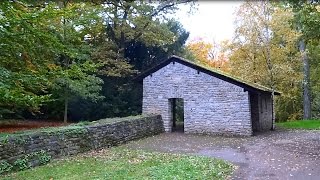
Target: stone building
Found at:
213, 102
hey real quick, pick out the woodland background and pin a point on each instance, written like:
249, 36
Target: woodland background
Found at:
77, 60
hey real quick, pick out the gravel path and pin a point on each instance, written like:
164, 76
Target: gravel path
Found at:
273, 155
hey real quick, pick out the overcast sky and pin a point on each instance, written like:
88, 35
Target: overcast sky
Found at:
213, 20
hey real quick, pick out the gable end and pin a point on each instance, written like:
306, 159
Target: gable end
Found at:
199, 69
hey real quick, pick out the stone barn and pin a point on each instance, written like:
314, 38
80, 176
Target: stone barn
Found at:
212, 102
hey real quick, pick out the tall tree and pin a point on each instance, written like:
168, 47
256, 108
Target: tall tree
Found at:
314, 50
161, 38
266, 13
67, 47
76, 76
55, 59
124, 96
307, 18
26, 52
266, 47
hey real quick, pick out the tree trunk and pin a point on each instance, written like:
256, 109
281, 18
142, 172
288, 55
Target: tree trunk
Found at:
66, 65
269, 62
65, 118
306, 81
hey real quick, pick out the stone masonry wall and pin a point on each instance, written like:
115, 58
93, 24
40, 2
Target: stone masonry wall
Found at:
211, 106
72, 140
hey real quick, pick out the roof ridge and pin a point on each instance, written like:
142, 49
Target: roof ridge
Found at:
215, 70
211, 71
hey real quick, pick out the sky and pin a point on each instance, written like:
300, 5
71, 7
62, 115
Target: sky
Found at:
212, 21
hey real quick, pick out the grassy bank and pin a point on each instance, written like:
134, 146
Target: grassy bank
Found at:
119, 163
302, 124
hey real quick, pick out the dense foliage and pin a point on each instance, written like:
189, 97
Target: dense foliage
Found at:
208, 53
249, 51
77, 57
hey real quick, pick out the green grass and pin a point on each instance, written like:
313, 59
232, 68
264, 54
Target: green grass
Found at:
302, 124
119, 163
3, 135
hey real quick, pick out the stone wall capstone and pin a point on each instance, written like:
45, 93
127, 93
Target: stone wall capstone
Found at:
72, 140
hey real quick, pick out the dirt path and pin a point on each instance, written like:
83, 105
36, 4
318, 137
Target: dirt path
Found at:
274, 155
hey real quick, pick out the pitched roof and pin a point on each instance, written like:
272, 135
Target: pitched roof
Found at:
249, 86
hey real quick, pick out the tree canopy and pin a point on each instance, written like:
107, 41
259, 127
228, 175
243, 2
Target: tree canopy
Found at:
66, 52
249, 50
76, 59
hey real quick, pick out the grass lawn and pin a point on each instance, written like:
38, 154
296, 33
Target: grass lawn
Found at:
302, 124
119, 163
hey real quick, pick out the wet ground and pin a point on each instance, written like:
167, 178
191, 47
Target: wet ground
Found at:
273, 155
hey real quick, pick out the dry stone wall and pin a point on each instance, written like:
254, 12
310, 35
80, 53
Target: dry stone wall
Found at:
32, 149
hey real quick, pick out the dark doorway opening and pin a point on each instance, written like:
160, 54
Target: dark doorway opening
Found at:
177, 114
254, 107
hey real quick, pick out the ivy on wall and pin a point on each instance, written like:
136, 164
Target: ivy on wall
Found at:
42, 157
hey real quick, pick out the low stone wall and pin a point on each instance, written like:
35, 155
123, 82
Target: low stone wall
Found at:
19, 152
